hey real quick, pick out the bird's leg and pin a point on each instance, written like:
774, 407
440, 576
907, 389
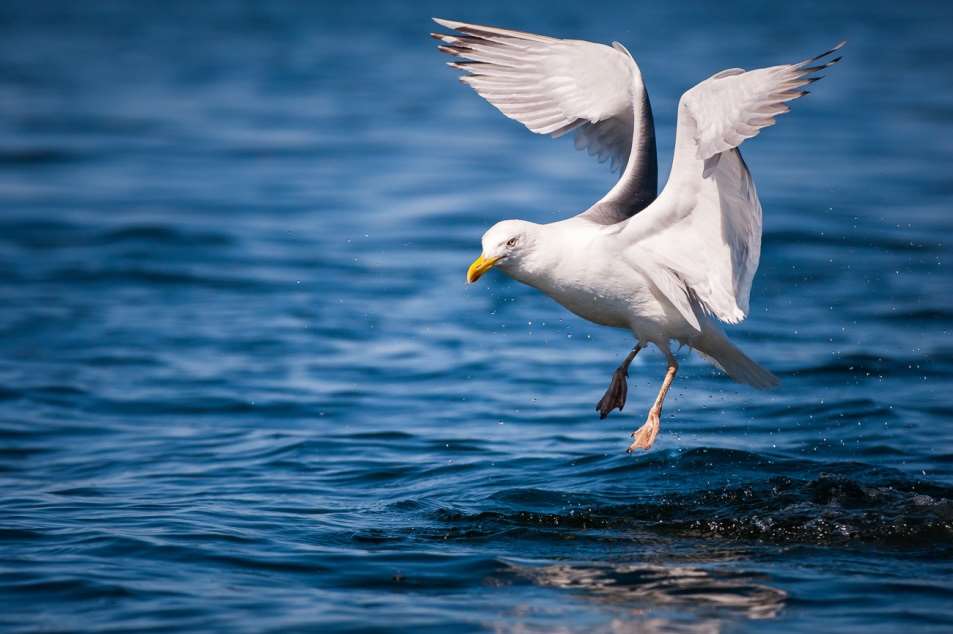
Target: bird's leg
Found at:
618, 387
645, 435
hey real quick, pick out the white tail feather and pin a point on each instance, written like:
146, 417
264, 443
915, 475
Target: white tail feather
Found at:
716, 348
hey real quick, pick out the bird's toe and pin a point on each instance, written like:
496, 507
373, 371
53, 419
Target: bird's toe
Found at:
644, 436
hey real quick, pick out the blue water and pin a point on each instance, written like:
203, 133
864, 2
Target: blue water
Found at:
243, 386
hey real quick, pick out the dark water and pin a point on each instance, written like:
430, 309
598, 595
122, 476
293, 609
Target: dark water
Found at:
243, 386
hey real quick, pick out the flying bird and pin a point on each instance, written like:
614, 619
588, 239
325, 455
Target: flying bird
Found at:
667, 267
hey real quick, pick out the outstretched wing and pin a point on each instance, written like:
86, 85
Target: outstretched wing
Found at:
735, 105
555, 86
703, 233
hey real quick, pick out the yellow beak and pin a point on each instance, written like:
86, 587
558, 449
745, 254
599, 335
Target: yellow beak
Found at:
480, 266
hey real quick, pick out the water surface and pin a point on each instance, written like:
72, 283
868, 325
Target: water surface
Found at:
243, 386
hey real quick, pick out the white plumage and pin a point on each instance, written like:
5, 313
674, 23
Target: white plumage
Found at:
552, 86
666, 268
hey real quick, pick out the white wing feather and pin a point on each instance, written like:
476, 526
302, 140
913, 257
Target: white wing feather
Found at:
735, 105
703, 233
552, 86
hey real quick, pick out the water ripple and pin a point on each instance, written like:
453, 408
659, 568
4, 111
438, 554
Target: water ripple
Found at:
244, 387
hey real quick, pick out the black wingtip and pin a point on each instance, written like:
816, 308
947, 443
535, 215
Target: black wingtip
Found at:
836, 48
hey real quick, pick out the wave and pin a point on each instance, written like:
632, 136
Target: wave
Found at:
813, 503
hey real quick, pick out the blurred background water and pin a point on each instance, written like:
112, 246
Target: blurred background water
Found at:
243, 386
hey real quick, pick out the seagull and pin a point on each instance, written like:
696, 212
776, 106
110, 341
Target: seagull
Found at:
667, 267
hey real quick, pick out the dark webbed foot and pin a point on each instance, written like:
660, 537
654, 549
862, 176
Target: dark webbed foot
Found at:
618, 388
615, 395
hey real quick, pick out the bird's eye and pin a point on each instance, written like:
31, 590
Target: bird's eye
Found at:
511, 242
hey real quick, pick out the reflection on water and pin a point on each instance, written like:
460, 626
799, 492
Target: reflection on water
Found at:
644, 587
245, 388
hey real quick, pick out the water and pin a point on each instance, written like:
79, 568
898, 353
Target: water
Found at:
243, 386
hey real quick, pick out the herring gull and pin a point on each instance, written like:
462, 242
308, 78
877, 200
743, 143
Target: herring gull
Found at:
668, 267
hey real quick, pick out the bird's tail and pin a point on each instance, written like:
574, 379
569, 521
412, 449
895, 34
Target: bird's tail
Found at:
716, 348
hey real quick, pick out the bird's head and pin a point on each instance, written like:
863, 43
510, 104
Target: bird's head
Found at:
508, 246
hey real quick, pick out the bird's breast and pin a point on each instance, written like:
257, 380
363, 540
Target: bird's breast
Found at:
604, 293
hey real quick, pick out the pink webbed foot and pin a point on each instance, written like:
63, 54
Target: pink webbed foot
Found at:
644, 436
